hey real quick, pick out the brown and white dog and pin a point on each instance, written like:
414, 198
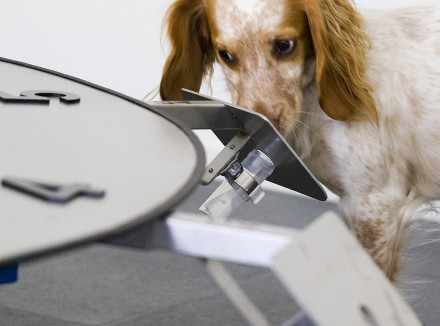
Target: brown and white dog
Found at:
357, 94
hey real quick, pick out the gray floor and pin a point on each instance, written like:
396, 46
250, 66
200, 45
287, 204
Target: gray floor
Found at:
104, 284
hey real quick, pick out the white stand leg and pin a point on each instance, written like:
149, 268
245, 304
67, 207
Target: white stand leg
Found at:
336, 281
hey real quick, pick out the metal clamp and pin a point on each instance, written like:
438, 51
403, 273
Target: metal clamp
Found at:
239, 188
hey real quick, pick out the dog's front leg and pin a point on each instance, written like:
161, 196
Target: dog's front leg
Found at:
379, 222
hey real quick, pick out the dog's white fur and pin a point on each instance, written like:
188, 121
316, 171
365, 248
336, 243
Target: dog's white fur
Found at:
384, 167
384, 173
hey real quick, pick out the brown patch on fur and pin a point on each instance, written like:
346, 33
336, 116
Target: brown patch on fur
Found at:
392, 160
382, 248
369, 234
192, 55
410, 25
340, 46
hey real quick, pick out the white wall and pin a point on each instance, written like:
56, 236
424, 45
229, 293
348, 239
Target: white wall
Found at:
114, 43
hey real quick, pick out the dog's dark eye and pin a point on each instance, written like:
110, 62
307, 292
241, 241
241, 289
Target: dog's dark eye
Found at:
283, 48
226, 57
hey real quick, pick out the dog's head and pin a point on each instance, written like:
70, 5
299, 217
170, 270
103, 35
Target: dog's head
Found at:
270, 50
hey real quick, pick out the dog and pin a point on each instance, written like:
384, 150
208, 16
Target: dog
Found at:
356, 94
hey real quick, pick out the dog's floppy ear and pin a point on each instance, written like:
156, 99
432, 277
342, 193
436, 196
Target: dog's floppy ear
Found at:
192, 55
340, 45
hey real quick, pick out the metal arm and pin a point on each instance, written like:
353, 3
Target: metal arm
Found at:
242, 131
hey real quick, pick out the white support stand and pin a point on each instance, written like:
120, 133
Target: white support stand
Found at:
229, 240
335, 280
323, 268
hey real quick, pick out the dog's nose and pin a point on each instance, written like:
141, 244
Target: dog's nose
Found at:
260, 107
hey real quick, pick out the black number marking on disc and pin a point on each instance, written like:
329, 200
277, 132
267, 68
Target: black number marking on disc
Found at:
51, 192
39, 97
8, 98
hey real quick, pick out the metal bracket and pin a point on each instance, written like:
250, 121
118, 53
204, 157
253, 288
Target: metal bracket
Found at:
252, 131
225, 158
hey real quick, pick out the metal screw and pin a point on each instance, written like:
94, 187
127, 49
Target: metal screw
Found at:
232, 146
211, 170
